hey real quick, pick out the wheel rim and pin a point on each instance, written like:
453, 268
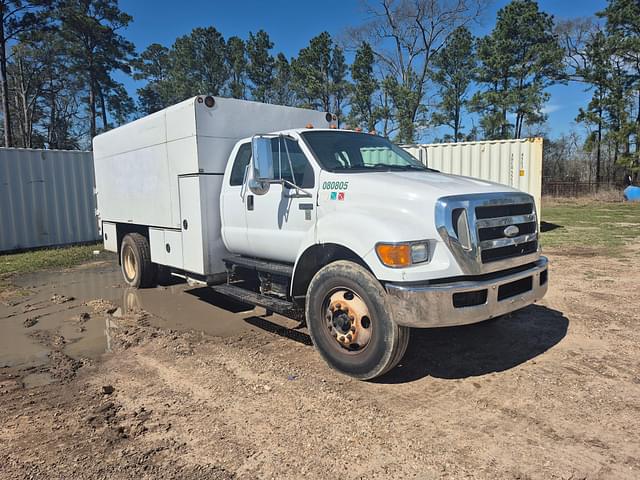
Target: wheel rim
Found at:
347, 320
129, 263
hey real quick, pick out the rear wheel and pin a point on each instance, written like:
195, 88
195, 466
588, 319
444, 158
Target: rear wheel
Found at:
135, 259
349, 321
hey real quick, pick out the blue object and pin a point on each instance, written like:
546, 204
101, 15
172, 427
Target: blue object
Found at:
632, 193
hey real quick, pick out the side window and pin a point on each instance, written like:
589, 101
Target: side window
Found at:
302, 174
240, 165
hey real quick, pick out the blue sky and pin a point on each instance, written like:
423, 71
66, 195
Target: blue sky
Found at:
292, 24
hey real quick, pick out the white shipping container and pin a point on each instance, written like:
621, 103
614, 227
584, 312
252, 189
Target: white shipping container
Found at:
516, 163
46, 198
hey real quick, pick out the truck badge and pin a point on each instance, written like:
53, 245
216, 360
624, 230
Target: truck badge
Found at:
511, 231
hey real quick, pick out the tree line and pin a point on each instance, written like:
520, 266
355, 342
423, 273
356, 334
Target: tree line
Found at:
416, 65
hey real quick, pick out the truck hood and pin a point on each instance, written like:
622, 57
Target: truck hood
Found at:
424, 187
403, 202
440, 184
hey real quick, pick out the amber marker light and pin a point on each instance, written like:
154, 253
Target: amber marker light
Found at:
309, 125
333, 126
393, 255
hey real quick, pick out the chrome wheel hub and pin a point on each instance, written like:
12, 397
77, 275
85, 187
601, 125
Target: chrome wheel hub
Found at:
348, 320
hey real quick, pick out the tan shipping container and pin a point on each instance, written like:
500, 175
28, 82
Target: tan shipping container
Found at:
516, 163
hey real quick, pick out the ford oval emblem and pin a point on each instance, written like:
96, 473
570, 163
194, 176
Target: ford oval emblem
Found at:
511, 231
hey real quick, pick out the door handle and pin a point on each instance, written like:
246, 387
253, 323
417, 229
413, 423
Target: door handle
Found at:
249, 202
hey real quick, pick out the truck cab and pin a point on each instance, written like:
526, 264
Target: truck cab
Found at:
354, 237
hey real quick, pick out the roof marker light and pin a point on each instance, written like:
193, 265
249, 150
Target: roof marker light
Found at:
309, 125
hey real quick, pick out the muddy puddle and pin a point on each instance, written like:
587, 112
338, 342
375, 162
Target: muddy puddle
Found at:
75, 312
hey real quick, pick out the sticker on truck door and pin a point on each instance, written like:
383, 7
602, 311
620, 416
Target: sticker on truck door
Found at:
335, 188
339, 185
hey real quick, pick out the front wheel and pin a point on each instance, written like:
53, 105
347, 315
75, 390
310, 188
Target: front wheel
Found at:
349, 321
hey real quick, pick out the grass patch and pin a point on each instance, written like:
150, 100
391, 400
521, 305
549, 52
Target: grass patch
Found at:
591, 227
32, 261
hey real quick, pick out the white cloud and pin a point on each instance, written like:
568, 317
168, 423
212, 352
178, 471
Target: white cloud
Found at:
552, 107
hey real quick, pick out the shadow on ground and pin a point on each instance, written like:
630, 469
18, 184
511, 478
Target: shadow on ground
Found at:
272, 327
451, 352
475, 350
208, 295
548, 226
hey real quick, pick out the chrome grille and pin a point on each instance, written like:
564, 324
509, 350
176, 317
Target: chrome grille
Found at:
492, 222
478, 239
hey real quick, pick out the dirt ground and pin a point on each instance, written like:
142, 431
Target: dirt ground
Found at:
97, 381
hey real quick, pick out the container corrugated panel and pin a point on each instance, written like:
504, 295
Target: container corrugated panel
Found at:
373, 155
46, 198
516, 163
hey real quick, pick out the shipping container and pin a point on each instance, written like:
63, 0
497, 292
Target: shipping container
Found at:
46, 198
516, 163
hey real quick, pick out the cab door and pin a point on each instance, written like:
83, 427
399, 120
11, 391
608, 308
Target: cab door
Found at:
279, 221
233, 204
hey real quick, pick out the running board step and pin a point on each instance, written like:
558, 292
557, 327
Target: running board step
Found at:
275, 268
277, 305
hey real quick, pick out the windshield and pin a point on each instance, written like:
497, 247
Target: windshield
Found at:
358, 152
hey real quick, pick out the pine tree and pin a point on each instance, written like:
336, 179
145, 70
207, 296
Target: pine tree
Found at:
198, 64
18, 18
281, 91
623, 32
319, 75
596, 73
237, 64
95, 49
152, 66
260, 66
518, 60
363, 107
455, 65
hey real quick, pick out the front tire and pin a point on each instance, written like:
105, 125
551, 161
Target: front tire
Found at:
135, 259
349, 321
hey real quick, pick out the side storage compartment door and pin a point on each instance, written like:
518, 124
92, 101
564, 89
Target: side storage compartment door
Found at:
191, 223
202, 246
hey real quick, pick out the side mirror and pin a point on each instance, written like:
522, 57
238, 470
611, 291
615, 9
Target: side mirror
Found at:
261, 165
262, 155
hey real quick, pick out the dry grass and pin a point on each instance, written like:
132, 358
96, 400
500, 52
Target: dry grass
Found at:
604, 195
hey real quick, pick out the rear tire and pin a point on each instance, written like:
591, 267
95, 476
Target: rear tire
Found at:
135, 259
350, 324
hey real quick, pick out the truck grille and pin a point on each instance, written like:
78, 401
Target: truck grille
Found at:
496, 242
489, 232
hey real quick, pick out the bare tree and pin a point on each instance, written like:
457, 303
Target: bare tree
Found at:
405, 35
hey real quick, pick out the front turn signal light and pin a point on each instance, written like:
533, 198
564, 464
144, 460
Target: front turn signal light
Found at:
398, 255
394, 255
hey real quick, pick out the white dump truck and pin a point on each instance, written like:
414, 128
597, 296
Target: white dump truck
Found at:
343, 230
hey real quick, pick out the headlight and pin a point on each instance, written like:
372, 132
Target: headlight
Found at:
398, 255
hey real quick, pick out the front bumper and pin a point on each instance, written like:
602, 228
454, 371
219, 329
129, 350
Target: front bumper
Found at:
465, 302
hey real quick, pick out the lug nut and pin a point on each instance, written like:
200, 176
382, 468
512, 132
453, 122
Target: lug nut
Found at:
353, 329
349, 337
